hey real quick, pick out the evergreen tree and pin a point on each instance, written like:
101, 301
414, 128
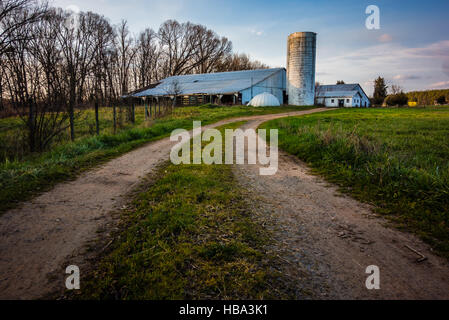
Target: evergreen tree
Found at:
380, 91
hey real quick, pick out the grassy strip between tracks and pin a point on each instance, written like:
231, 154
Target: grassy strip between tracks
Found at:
190, 235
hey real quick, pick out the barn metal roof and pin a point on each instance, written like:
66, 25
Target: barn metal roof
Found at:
339, 90
339, 87
335, 94
210, 83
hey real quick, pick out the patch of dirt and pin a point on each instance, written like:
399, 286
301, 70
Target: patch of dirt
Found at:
329, 239
42, 237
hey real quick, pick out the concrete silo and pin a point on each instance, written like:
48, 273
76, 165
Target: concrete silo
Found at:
301, 62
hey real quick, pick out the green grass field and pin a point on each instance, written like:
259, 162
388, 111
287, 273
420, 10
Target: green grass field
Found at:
396, 159
23, 176
13, 134
189, 235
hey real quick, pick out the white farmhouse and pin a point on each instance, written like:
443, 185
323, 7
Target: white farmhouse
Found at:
342, 95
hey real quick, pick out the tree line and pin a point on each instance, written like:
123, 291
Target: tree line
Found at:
429, 97
54, 61
397, 97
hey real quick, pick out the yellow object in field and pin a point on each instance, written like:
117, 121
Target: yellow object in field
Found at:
412, 104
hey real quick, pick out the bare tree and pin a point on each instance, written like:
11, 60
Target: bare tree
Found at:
396, 89
34, 82
2, 80
179, 45
127, 52
237, 62
78, 45
210, 49
15, 15
146, 59
104, 43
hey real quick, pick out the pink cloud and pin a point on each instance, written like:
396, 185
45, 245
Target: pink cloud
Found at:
385, 38
441, 84
437, 49
406, 77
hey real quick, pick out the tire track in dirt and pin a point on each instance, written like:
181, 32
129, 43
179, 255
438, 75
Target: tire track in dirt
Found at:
329, 239
55, 227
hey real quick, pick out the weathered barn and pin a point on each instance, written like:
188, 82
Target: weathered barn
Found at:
237, 87
342, 95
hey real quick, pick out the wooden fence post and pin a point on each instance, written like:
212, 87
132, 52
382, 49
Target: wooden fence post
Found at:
145, 109
133, 112
97, 119
114, 112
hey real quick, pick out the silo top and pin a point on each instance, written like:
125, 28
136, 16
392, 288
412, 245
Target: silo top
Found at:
302, 34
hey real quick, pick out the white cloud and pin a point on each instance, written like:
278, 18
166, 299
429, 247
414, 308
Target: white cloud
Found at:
256, 31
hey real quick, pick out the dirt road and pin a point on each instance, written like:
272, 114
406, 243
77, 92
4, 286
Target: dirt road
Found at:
330, 239
54, 228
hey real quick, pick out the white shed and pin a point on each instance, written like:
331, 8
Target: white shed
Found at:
342, 95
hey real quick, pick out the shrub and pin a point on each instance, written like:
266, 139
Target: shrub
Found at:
441, 100
399, 99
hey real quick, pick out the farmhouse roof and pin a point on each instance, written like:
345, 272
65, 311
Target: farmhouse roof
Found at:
210, 83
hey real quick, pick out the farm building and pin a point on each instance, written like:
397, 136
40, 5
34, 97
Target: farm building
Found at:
237, 87
342, 95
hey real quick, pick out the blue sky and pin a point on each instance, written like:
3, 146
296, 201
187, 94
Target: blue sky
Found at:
411, 49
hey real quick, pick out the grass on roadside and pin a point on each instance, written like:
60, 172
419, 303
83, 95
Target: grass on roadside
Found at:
190, 236
397, 159
21, 179
13, 132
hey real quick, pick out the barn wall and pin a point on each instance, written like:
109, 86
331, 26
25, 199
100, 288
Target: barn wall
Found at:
357, 101
328, 102
275, 85
361, 99
349, 102
366, 100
